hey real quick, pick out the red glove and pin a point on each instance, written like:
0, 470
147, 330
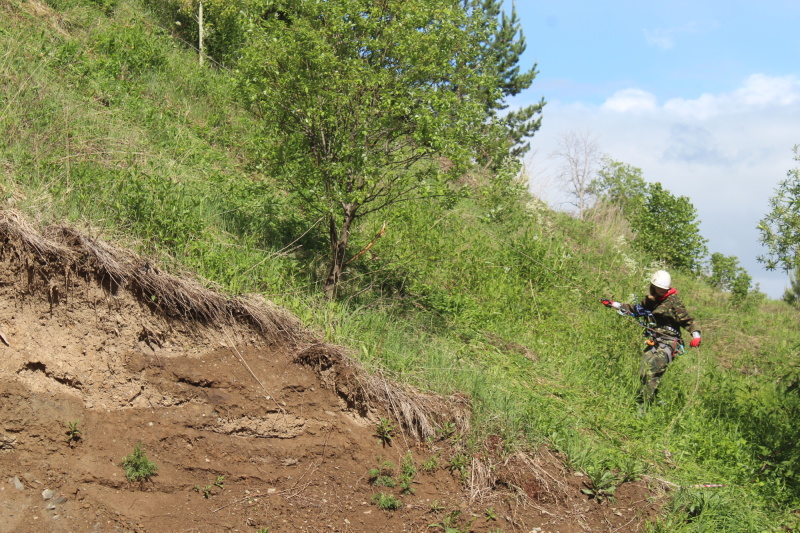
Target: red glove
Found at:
695, 342
610, 303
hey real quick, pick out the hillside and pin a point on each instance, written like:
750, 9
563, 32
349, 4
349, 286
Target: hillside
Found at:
136, 213
252, 422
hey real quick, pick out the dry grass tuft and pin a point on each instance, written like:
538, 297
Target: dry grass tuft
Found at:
183, 298
20, 234
527, 474
419, 413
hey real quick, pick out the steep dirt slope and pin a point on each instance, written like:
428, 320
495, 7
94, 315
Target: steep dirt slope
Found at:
251, 422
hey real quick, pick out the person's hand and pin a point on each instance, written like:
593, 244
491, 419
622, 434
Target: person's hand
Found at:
695, 342
610, 303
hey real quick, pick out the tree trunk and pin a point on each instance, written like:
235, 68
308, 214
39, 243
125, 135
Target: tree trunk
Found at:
339, 240
200, 30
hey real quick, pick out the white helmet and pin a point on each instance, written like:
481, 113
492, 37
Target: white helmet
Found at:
661, 279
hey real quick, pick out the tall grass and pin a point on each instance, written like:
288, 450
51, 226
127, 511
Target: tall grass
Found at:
105, 120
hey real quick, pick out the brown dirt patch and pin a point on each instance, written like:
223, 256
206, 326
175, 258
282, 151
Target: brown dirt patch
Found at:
218, 390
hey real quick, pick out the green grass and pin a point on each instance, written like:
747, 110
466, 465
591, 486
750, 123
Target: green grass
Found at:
112, 124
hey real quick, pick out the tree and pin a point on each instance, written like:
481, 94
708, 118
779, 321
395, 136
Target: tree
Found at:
619, 184
502, 49
792, 294
367, 103
728, 275
578, 154
667, 229
780, 229
725, 269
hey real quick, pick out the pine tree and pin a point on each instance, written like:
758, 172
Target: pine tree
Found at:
502, 51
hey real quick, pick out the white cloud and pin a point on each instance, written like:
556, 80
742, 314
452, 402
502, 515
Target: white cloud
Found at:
660, 38
759, 91
628, 100
727, 152
664, 38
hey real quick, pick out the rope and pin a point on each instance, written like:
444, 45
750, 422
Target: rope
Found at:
686, 405
686, 487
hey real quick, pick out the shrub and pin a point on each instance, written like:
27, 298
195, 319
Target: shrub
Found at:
386, 502
137, 466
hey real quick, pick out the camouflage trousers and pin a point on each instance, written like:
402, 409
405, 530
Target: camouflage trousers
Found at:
655, 360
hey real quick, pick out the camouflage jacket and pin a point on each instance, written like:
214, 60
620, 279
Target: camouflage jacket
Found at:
669, 314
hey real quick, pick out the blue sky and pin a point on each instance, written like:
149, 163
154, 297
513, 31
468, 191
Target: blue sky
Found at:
703, 96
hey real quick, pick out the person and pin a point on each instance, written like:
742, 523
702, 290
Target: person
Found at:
665, 315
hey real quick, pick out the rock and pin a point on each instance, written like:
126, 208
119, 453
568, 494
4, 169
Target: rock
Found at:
18, 484
47, 494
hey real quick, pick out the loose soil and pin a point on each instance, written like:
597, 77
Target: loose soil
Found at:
251, 429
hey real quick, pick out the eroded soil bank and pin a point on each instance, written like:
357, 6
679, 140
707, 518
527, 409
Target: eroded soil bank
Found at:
253, 424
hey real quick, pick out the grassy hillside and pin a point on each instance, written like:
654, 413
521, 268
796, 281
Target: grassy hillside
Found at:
107, 120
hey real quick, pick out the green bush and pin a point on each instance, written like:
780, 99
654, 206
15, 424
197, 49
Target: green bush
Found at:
386, 502
137, 466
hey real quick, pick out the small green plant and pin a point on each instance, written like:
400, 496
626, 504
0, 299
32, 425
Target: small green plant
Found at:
381, 481
459, 461
405, 485
431, 464
695, 503
446, 430
601, 484
386, 502
490, 514
381, 476
408, 469
205, 490
263, 530
208, 490
453, 523
385, 431
630, 468
73, 433
436, 506
137, 466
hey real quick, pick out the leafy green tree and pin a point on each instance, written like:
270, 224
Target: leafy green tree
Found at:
742, 286
620, 184
792, 294
780, 229
724, 271
504, 45
367, 103
667, 229
728, 275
